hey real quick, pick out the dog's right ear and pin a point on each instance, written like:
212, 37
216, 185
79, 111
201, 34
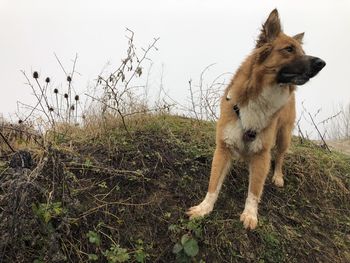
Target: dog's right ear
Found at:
270, 29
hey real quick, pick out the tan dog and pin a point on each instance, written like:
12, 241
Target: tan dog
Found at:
258, 112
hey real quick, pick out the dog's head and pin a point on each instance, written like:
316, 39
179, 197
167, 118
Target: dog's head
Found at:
284, 55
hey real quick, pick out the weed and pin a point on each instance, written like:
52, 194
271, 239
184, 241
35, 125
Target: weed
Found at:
140, 255
187, 247
48, 211
116, 254
94, 238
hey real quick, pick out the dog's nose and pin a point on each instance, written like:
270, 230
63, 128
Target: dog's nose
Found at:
317, 63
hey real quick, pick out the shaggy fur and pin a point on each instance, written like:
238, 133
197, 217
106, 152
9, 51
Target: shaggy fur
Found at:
263, 89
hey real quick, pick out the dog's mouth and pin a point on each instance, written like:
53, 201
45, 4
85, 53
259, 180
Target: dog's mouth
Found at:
300, 71
292, 78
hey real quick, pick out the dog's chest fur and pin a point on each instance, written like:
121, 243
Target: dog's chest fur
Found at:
256, 115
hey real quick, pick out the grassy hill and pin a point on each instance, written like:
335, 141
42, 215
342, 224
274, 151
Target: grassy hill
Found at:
100, 194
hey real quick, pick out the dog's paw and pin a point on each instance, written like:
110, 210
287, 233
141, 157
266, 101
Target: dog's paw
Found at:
277, 179
199, 211
249, 220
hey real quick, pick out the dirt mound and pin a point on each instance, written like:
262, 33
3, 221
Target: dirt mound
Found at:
340, 145
101, 195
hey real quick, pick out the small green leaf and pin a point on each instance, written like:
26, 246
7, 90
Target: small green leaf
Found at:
57, 210
191, 247
177, 248
122, 255
93, 257
116, 254
184, 239
139, 242
103, 185
140, 256
88, 163
46, 216
94, 238
172, 228
167, 215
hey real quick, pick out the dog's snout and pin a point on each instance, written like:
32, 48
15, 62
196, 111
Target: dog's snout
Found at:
317, 63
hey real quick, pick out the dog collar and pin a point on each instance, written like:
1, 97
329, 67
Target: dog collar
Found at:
236, 110
249, 135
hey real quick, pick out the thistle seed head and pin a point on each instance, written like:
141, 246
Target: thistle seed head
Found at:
35, 74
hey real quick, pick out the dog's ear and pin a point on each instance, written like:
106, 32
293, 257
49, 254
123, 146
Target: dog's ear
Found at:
263, 53
270, 29
299, 37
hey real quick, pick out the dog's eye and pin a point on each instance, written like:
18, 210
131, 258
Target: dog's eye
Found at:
289, 49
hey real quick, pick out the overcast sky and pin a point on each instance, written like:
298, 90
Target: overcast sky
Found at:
193, 34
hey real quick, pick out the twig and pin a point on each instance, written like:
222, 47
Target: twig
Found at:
122, 100
5, 140
330, 118
193, 100
151, 46
33, 135
36, 95
316, 127
43, 95
59, 62
70, 87
201, 87
319, 133
302, 137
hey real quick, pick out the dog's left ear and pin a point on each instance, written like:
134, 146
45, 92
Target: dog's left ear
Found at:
270, 29
299, 37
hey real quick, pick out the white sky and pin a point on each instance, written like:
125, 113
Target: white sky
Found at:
193, 34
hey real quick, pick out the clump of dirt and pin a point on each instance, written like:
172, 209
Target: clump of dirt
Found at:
109, 197
28, 222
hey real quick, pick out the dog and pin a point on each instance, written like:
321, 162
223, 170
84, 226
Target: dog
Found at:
257, 112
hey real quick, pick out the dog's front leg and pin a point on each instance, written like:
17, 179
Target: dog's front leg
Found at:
259, 166
220, 167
